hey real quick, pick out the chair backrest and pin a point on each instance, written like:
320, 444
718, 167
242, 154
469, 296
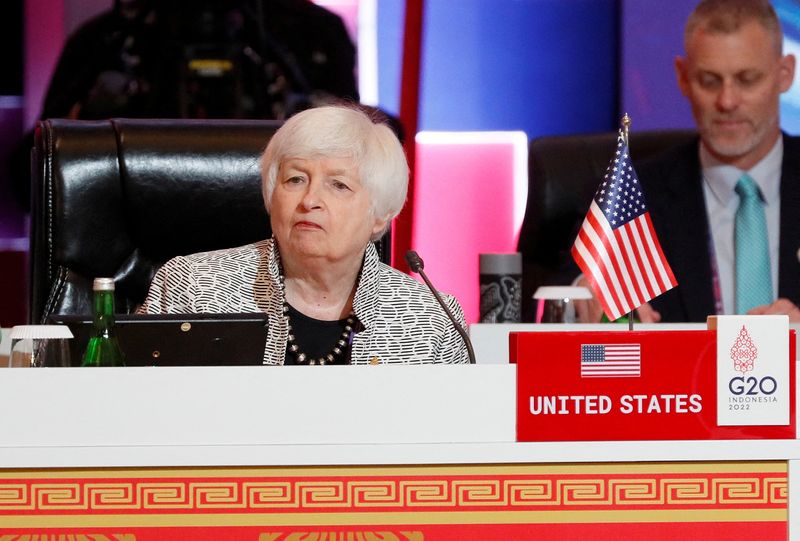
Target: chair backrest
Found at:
120, 197
563, 175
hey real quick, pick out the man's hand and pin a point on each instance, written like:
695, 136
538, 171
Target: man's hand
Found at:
780, 307
587, 311
647, 314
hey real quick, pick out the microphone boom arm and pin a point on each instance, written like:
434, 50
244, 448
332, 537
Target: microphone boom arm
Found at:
416, 264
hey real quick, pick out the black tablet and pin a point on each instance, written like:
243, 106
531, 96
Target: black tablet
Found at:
178, 339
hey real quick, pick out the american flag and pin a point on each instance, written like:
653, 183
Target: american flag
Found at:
616, 247
611, 360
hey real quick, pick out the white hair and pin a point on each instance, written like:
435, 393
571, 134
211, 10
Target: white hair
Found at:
340, 131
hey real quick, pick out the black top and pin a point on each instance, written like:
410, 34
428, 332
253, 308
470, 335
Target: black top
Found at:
315, 337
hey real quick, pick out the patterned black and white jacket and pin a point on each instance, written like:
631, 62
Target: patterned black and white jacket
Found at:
403, 323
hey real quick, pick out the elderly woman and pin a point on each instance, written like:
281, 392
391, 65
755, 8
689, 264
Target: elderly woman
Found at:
332, 180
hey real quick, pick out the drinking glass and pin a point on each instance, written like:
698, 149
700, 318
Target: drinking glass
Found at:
556, 304
39, 346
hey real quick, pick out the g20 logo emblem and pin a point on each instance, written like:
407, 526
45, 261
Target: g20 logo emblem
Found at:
744, 352
752, 386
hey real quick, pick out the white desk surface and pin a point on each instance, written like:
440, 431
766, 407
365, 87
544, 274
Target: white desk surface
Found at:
388, 454
344, 415
222, 416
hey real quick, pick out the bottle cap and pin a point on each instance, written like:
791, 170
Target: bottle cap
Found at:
103, 284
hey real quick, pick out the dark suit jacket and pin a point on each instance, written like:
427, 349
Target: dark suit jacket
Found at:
673, 187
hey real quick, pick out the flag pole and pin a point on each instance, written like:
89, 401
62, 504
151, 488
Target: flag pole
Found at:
626, 127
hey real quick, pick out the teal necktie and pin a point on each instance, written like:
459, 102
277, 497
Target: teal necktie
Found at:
753, 276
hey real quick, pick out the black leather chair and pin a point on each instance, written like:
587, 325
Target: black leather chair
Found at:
563, 175
120, 197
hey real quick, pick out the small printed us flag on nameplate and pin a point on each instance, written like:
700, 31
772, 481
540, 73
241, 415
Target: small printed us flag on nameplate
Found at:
611, 360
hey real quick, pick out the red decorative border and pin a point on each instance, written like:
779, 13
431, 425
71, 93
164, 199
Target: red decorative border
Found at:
473, 532
657, 502
389, 493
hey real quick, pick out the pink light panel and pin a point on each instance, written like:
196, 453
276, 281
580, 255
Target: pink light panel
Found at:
471, 190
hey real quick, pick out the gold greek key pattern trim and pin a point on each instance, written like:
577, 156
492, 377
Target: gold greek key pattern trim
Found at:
399, 494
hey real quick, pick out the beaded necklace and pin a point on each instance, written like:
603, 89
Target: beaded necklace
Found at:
336, 354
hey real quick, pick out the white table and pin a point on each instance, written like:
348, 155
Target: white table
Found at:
360, 421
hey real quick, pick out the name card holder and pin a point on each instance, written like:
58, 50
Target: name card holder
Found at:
635, 385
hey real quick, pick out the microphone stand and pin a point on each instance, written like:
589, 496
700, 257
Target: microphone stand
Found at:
415, 263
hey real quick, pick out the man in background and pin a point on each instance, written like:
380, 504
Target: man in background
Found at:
726, 208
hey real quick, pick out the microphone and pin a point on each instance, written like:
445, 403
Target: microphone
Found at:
415, 262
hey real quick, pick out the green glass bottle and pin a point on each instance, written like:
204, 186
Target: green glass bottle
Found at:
103, 348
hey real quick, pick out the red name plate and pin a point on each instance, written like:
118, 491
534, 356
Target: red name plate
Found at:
636, 385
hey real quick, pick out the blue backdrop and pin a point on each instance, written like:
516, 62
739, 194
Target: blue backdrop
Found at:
542, 66
552, 66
